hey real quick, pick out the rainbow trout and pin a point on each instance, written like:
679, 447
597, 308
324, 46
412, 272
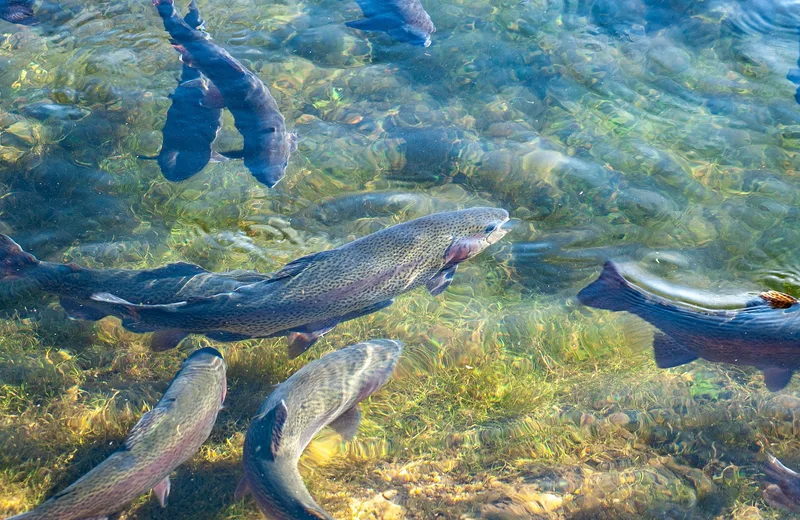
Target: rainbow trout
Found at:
18, 11
404, 20
163, 439
312, 294
267, 143
326, 392
21, 274
764, 333
193, 120
784, 492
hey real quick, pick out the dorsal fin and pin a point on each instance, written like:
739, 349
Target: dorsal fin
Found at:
297, 266
778, 300
146, 423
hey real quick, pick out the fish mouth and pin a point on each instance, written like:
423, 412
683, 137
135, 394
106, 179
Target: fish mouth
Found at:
502, 229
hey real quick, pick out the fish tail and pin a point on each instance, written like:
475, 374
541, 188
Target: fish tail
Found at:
610, 291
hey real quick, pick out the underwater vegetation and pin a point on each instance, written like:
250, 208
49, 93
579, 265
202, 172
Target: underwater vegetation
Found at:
662, 134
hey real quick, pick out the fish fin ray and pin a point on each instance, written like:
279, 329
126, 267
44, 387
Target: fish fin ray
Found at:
242, 489
162, 340
776, 378
145, 424
116, 300
668, 353
346, 424
778, 300
161, 490
604, 293
299, 342
441, 280
297, 266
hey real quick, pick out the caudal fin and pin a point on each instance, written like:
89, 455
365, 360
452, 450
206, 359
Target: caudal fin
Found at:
14, 262
610, 291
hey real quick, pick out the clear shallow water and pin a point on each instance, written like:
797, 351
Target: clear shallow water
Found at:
661, 133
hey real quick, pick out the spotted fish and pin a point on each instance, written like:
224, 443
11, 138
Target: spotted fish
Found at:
163, 439
193, 120
23, 275
267, 143
404, 20
312, 294
764, 333
326, 392
18, 12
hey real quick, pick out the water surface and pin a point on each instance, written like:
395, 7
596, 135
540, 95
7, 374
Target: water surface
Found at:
661, 133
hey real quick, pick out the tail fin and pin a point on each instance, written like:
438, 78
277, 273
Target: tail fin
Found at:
609, 291
14, 262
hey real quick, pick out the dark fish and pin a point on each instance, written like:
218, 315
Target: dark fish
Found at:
21, 274
326, 392
784, 493
312, 294
193, 120
764, 333
267, 143
163, 439
18, 11
794, 77
404, 20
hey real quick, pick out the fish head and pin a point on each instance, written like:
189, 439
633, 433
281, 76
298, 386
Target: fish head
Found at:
380, 357
460, 235
211, 359
269, 166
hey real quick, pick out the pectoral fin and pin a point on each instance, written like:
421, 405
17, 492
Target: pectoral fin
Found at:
166, 339
668, 353
161, 491
242, 490
78, 311
377, 23
218, 157
299, 342
777, 378
346, 424
441, 280
778, 300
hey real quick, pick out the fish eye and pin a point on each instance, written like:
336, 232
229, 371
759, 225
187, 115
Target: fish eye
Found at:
490, 228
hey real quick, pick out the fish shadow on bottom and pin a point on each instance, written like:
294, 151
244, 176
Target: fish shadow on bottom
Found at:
199, 491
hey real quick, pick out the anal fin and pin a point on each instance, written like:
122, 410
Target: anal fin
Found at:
776, 378
299, 342
166, 339
346, 424
668, 353
161, 491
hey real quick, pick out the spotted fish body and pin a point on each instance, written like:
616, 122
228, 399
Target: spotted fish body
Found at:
765, 333
21, 274
325, 392
193, 120
163, 439
267, 143
310, 295
18, 11
404, 20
